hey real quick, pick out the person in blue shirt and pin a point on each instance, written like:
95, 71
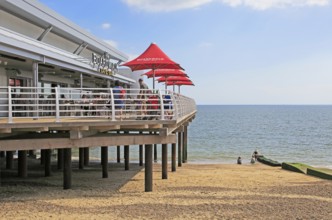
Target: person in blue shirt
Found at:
119, 96
168, 106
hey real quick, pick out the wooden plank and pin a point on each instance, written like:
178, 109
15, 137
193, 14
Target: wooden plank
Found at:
155, 126
105, 128
31, 129
105, 140
143, 126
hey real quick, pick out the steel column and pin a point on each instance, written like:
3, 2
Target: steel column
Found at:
80, 158
67, 168
164, 161
22, 163
148, 168
173, 157
179, 149
104, 161
48, 162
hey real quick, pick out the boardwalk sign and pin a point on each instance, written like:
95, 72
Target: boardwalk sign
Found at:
103, 64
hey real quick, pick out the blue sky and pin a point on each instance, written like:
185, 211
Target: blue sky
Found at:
235, 51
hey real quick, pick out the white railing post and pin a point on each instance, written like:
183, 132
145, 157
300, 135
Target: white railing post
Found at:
57, 107
10, 107
162, 111
175, 107
36, 104
179, 105
183, 106
112, 104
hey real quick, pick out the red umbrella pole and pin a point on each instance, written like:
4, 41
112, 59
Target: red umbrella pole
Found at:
153, 78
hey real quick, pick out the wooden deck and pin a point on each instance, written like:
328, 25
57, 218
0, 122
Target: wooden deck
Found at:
47, 133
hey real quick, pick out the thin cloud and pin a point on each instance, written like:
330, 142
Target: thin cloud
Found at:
165, 5
174, 5
264, 4
106, 26
205, 45
112, 43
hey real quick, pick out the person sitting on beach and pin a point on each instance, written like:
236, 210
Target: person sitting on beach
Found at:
255, 154
239, 160
252, 161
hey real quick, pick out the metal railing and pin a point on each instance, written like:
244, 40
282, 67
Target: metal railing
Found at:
103, 103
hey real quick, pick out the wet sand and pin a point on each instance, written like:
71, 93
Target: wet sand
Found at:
192, 192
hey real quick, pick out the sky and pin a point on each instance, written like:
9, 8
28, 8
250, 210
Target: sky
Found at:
235, 51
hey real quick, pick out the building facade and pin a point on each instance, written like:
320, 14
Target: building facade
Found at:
40, 48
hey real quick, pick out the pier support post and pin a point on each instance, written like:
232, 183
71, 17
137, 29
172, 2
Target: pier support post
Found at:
148, 168
140, 154
48, 162
22, 163
86, 156
118, 152
67, 168
185, 144
155, 153
104, 161
32, 153
9, 160
126, 156
80, 158
42, 157
179, 149
164, 161
173, 157
155, 150
60, 159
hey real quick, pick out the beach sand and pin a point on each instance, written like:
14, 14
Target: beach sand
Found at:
214, 191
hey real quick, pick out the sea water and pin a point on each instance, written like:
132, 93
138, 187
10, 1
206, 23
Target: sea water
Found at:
222, 133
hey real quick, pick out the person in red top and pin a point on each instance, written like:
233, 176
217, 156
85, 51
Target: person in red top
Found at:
153, 106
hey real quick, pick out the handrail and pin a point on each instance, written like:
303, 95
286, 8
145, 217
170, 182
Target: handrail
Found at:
101, 103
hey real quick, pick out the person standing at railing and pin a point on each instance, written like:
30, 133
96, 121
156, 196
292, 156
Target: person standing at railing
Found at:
119, 95
153, 105
168, 106
142, 96
85, 104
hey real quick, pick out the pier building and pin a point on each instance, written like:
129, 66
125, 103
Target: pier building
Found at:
56, 94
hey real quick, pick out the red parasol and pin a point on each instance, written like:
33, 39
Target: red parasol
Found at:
152, 58
173, 78
165, 73
180, 83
